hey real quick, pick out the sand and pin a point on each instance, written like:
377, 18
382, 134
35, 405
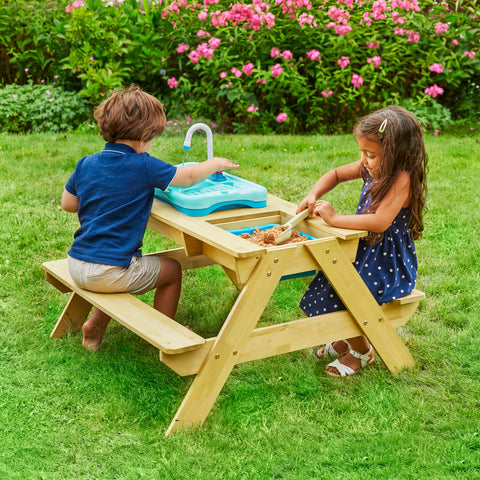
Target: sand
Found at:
266, 238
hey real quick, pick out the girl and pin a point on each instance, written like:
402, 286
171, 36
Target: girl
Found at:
392, 165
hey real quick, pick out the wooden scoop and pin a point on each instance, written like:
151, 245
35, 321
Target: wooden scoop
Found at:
288, 227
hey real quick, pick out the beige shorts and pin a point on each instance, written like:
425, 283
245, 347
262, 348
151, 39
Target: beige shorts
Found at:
140, 277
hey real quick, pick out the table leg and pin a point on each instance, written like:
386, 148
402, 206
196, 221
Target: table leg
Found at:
72, 317
360, 302
228, 344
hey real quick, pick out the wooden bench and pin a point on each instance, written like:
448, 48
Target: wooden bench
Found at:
296, 335
157, 329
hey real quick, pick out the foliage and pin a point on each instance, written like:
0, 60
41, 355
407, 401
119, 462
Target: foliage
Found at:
71, 414
40, 108
321, 64
285, 66
32, 42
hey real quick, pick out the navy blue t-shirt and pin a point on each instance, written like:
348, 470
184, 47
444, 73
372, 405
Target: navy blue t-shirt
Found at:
115, 190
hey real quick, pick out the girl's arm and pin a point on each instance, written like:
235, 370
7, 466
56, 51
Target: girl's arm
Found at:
396, 198
192, 174
69, 202
327, 182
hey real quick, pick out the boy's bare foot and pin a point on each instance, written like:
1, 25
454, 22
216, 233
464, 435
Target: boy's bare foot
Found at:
92, 337
93, 330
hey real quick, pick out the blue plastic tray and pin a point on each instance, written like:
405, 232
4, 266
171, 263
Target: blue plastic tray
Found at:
250, 230
210, 195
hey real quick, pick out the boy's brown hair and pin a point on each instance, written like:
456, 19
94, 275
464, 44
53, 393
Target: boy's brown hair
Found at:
130, 114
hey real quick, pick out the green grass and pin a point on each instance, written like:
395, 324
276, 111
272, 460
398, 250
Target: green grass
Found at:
66, 413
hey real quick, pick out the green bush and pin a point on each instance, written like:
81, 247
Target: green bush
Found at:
40, 108
320, 65
246, 63
28, 41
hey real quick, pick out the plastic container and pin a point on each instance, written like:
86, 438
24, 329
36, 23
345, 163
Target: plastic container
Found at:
250, 230
212, 195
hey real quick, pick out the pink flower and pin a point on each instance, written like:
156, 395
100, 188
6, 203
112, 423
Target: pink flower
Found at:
92, 59
182, 47
252, 108
433, 91
26, 69
413, 37
202, 34
202, 15
357, 80
281, 117
223, 74
214, 42
48, 92
327, 94
15, 95
76, 4
372, 44
274, 52
237, 72
343, 62
455, 41
194, 56
441, 28
375, 60
204, 50
172, 82
436, 132
436, 67
314, 55
287, 55
305, 18
276, 70
470, 55
248, 68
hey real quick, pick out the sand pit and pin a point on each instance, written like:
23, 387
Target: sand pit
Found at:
266, 238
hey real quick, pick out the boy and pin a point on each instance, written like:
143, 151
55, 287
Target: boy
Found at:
113, 192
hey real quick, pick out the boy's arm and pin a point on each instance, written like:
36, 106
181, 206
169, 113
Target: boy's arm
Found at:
192, 174
69, 202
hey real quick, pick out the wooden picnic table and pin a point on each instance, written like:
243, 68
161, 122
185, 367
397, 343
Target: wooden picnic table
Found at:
256, 271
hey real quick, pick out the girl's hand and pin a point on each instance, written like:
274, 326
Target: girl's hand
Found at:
307, 202
325, 211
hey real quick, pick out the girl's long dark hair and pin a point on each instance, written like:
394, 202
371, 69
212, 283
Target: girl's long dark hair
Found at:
402, 150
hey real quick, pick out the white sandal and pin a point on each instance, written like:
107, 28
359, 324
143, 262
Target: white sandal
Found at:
328, 350
344, 370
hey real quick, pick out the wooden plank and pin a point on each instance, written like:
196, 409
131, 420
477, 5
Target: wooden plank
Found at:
58, 285
154, 327
231, 339
73, 316
415, 296
359, 301
187, 263
290, 336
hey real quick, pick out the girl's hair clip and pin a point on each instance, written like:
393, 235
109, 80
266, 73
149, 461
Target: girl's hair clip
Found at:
383, 126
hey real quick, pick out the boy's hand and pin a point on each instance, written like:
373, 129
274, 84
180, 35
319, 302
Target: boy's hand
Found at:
223, 163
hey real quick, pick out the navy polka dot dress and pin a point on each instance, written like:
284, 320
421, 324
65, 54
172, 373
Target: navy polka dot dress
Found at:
388, 268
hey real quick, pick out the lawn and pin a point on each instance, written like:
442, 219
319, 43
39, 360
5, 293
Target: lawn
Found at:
67, 413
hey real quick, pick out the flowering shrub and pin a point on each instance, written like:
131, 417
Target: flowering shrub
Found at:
27, 40
40, 108
276, 65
